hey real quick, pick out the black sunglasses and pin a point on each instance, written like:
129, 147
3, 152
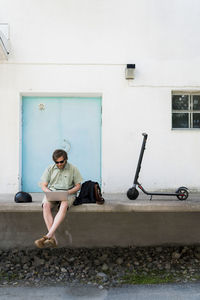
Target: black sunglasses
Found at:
60, 162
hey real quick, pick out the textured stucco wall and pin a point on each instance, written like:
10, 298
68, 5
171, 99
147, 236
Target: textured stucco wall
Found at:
81, 48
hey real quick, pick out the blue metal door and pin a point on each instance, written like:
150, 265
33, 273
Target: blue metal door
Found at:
73, 124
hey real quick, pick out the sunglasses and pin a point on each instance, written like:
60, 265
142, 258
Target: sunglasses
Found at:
59, 162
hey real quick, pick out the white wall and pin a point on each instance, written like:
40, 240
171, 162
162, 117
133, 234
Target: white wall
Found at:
81, 46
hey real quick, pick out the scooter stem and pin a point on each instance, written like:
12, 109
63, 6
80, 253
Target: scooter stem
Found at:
145, 135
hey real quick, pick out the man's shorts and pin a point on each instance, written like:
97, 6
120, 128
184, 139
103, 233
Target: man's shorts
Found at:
69, 201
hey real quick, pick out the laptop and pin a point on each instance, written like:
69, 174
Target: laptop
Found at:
56, 195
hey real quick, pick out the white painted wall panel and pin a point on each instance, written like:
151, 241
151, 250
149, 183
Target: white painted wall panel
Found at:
81, 47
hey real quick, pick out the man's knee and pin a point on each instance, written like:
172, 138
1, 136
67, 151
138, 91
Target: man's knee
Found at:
64, 206
46, 206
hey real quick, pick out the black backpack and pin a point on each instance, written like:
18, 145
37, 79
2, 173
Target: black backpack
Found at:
90, 193
23, 197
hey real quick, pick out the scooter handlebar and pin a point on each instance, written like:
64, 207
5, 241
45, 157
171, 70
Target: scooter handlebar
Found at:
145, 134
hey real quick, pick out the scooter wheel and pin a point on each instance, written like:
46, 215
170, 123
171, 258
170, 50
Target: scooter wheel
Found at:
132, 193
182, 193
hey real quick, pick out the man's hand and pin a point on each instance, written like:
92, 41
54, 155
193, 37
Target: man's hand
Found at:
44, 187
75, 189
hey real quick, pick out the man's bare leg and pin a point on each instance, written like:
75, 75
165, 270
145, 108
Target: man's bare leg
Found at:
48, 217
58, 219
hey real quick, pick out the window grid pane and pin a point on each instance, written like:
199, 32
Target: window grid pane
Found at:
180, 102
180, 120
196, 102
196, 120
186, 111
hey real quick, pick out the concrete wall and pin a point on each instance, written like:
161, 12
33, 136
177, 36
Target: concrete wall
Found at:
103, 230
81, 47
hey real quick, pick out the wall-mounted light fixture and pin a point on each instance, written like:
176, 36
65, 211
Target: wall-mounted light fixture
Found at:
130, 68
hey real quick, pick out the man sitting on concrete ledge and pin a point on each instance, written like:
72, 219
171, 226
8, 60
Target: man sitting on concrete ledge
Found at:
59, 176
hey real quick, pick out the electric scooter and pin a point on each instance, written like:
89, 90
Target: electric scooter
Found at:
181, 193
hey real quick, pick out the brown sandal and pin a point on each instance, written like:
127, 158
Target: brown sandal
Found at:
41, 242
50, 242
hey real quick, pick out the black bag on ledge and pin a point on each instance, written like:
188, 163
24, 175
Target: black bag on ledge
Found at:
90, 193
23, 197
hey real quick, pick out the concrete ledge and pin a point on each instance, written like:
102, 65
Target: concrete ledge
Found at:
119, 222
113, 203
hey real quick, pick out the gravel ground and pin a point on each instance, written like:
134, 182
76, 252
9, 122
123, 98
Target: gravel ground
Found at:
104, 267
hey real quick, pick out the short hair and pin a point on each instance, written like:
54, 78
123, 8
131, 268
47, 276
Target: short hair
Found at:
58, 153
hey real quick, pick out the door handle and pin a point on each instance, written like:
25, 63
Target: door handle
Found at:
66, 145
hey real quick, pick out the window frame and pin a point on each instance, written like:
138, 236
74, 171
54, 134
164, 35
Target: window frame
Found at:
190, 111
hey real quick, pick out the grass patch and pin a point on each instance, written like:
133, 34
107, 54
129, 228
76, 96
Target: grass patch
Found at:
3, 275
6, 276
196, 276
151, 278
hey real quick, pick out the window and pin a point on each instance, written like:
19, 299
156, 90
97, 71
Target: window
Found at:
185, 110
